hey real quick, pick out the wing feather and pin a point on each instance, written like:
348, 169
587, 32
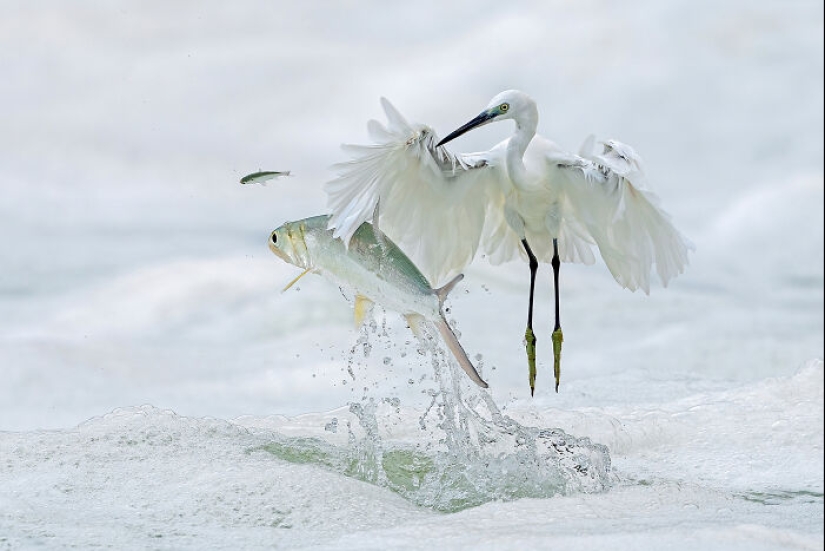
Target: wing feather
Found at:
606, 195
421, 189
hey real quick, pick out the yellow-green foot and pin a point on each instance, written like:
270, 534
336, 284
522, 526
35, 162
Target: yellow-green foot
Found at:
558, 338
530, 344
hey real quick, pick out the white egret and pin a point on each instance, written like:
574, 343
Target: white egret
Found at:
523, 196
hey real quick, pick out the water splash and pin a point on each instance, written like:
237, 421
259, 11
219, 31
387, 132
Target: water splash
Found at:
460, 451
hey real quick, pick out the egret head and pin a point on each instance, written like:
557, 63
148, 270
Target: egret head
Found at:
510, 104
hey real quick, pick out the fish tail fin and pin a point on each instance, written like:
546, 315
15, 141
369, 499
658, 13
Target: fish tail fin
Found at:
442, 292
455, 347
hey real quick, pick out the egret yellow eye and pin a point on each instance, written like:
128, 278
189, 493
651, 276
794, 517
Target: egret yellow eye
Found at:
504, 107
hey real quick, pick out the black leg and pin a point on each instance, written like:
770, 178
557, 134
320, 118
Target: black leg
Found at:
558, 338
529, 336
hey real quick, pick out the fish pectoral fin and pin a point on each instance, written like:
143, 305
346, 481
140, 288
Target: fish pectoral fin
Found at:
294, 281
414, 321
362, 306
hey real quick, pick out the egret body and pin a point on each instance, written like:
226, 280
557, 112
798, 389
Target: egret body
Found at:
524, 196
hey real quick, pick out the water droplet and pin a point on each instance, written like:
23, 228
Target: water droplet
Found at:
467, 443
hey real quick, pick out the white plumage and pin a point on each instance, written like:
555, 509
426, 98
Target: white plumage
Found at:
524, 196
432, 203
440, 207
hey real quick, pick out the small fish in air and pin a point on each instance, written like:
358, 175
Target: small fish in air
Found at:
263, 176
376, 270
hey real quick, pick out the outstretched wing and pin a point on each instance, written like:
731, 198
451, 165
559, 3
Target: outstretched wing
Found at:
607, 197
430, 202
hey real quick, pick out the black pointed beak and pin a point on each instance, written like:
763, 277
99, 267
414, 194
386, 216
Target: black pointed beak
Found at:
481, 119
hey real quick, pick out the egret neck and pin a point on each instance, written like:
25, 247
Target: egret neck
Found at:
526, 123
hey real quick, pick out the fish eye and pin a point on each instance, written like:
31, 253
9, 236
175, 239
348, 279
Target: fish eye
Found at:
274, 238
504, 107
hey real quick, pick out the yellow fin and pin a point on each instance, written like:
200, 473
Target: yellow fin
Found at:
362, 306
414, 321
294, 281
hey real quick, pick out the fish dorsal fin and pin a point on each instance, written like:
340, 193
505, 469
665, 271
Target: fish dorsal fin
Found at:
415, 321
362, 306
442, 292
376, 231
294, 281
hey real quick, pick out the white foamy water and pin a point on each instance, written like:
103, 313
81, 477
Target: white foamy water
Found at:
158, 391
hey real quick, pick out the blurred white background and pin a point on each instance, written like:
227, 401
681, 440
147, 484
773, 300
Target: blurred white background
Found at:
135, 268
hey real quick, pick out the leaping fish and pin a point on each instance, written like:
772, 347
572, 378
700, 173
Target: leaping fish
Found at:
263, 176
376, 270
